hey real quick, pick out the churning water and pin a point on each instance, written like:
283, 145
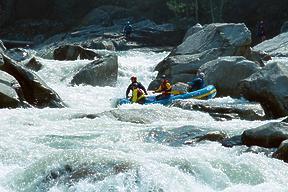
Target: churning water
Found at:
94, 146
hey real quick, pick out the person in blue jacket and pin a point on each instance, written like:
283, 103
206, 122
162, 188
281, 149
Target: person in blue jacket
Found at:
197, 83
127, 30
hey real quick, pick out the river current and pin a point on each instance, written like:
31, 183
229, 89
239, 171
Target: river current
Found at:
92, 145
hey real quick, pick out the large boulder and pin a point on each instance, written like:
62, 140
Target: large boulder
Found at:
73, 52
269, 135
268, 87
183, 68
35, 91
276, 47
192, 30
227, 36
203, 45
101, 72
8, 95
226, 72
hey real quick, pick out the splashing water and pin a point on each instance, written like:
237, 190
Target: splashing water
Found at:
65, 150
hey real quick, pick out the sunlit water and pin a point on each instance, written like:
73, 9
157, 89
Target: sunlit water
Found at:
58, 150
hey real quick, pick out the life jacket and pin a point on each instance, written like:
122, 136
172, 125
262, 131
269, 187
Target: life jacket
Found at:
165, 88
137, 94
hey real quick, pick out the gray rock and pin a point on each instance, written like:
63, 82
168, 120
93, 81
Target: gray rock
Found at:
282, 151
268, 87
35, 91
193, 30
276, 47
18, 54
224, 111
73, 52
181, 135
226, 72
213, 41
34, 64
257, 150
217, 35
7, 79
259, 57
269, 135
182, 68
101, 44
232, 141
218, 136
102, 72
8, 95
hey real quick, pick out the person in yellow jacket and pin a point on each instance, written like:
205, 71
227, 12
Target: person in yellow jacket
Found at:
165, 90
137, 94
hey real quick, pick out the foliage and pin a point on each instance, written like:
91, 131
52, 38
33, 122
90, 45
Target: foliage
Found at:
179, 7
197, 8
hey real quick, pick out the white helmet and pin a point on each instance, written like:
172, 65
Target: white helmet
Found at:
201, 75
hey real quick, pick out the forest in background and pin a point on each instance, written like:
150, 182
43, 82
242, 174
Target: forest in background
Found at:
183, 13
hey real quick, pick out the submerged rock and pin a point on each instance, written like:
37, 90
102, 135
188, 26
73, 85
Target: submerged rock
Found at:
282, 151
257, 150
232, 141
224, 111
218, 136
185, 135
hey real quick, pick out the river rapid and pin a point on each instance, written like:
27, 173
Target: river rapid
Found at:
92, 145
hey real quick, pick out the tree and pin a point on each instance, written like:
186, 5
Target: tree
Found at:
196, 5
196, 9
179, 7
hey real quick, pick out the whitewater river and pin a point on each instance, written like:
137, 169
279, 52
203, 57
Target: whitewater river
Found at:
129, 148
